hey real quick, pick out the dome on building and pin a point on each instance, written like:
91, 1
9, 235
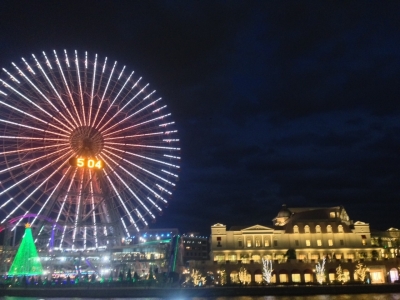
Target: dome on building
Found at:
284, 212
283, 216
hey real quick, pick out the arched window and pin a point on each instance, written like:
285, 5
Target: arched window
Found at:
318, 229
340, 228
295, 229
258, 276
306, 229
329, 229
296, 277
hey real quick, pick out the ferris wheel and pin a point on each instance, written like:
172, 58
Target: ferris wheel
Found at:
86, 144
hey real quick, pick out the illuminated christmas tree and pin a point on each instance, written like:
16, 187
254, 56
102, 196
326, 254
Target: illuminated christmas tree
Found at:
27, 261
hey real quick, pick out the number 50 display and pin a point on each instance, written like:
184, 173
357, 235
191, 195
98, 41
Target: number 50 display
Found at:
89, 163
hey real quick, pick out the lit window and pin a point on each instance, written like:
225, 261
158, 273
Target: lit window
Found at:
330, 242
295, 229
296, 278
258, 243
332, 214
329, 229
306, 229
314, 256
340, 228
301, 256
318, 229
319, 243
266, 243
248, 243
308, 243
363, 240
220, 258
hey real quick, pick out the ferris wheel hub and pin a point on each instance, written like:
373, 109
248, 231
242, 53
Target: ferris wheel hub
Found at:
86, 141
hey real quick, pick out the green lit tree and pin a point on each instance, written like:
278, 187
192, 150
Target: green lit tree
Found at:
26, 261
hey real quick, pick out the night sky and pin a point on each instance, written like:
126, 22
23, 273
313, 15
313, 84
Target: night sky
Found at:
276, 102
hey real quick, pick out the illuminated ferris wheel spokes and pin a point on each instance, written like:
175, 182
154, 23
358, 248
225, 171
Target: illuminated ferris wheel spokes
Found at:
86, 144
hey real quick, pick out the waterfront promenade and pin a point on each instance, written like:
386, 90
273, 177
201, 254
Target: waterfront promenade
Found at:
121, 292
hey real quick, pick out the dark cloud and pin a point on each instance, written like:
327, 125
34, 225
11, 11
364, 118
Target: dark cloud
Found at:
276, 102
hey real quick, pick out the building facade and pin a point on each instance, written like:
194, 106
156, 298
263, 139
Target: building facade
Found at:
194, 247
298, 240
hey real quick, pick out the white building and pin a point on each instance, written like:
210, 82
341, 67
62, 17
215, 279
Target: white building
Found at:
311, 234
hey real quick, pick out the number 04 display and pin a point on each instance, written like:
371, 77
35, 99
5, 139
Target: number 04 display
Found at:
89, 163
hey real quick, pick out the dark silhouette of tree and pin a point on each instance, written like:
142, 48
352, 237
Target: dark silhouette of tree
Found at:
290, 254
151, 275
135, 277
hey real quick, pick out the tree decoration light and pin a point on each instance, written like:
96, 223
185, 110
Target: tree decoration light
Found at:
244, 276
361, 271
339, 274
267, 270
197, 278
320, 271
222, 277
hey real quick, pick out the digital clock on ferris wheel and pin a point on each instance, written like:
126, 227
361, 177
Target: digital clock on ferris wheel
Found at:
85, 162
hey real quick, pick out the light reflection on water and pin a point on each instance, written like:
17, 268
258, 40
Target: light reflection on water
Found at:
314, 297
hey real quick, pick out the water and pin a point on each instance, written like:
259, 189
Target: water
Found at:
315, 297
